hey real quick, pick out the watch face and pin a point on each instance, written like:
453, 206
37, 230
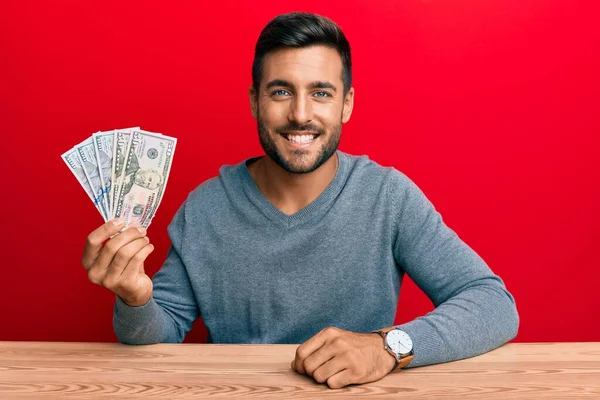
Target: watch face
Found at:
399, 341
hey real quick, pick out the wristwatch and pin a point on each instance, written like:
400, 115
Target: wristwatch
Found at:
399, 344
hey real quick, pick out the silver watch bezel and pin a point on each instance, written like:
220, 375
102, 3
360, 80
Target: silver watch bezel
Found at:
399, 355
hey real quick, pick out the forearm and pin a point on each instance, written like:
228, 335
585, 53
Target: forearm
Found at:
146, 324
474, 311
169, 314
480, 318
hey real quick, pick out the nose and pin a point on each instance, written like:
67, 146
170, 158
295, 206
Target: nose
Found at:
300, 110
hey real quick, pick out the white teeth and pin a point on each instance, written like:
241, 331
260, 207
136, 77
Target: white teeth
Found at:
301, 138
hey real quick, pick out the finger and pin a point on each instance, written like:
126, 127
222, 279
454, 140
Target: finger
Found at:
93, 243
319, 358
312, 345
329, 369
114, 255
115, 244
341, 379
122, 258
135, 266
133, 287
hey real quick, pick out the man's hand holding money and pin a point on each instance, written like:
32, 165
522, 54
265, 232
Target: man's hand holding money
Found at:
124, 172
117, 263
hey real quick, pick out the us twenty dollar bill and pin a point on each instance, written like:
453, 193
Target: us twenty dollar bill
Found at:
143, 180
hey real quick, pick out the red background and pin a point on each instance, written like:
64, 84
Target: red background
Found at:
491, 107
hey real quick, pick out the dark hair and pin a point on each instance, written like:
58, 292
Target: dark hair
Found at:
301, 29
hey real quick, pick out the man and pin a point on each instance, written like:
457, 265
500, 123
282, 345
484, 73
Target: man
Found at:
307, 244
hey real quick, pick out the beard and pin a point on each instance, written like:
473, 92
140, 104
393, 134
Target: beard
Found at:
300, 160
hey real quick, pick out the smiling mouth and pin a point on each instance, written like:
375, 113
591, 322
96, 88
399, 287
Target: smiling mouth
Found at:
300, 138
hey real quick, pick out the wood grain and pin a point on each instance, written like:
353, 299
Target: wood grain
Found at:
44, 370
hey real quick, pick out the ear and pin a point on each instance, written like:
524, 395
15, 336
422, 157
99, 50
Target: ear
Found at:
348, 105
253, 101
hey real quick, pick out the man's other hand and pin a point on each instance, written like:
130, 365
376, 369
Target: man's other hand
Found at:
341, 358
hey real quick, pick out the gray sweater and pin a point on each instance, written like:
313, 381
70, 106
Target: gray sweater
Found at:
257, 275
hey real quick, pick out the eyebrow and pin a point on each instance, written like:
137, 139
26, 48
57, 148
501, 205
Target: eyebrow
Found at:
312, 85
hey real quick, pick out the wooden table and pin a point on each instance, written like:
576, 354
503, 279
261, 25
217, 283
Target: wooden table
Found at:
42, 370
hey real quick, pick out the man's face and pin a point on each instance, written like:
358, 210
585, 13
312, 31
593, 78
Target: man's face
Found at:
300, 107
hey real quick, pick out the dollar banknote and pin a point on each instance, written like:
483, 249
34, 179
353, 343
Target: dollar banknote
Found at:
120, 147
143, 176
92, 173
122, 141
124, 174
73, 161
103, 146
103, 143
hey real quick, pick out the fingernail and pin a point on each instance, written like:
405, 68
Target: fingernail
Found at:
118, 221
141, 229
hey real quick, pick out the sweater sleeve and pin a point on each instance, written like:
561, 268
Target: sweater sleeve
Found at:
474, 313
169, 314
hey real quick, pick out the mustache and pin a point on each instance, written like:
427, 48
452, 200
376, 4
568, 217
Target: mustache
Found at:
300, 128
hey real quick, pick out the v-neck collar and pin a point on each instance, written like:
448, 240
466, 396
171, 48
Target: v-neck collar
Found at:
315, 208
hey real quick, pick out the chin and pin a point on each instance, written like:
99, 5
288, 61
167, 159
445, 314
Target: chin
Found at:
302, 164
297, 160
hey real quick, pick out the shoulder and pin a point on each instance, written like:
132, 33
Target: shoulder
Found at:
196, 204
369, 177
209, 194
369, 172
206, 191
216, 192
208, 200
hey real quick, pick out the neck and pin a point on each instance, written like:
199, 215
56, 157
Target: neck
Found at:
290, 192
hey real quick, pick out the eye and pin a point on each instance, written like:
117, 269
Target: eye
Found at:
280, 92
322, 94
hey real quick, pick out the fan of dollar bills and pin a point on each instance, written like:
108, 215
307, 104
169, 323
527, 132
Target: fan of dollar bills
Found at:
124, 172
